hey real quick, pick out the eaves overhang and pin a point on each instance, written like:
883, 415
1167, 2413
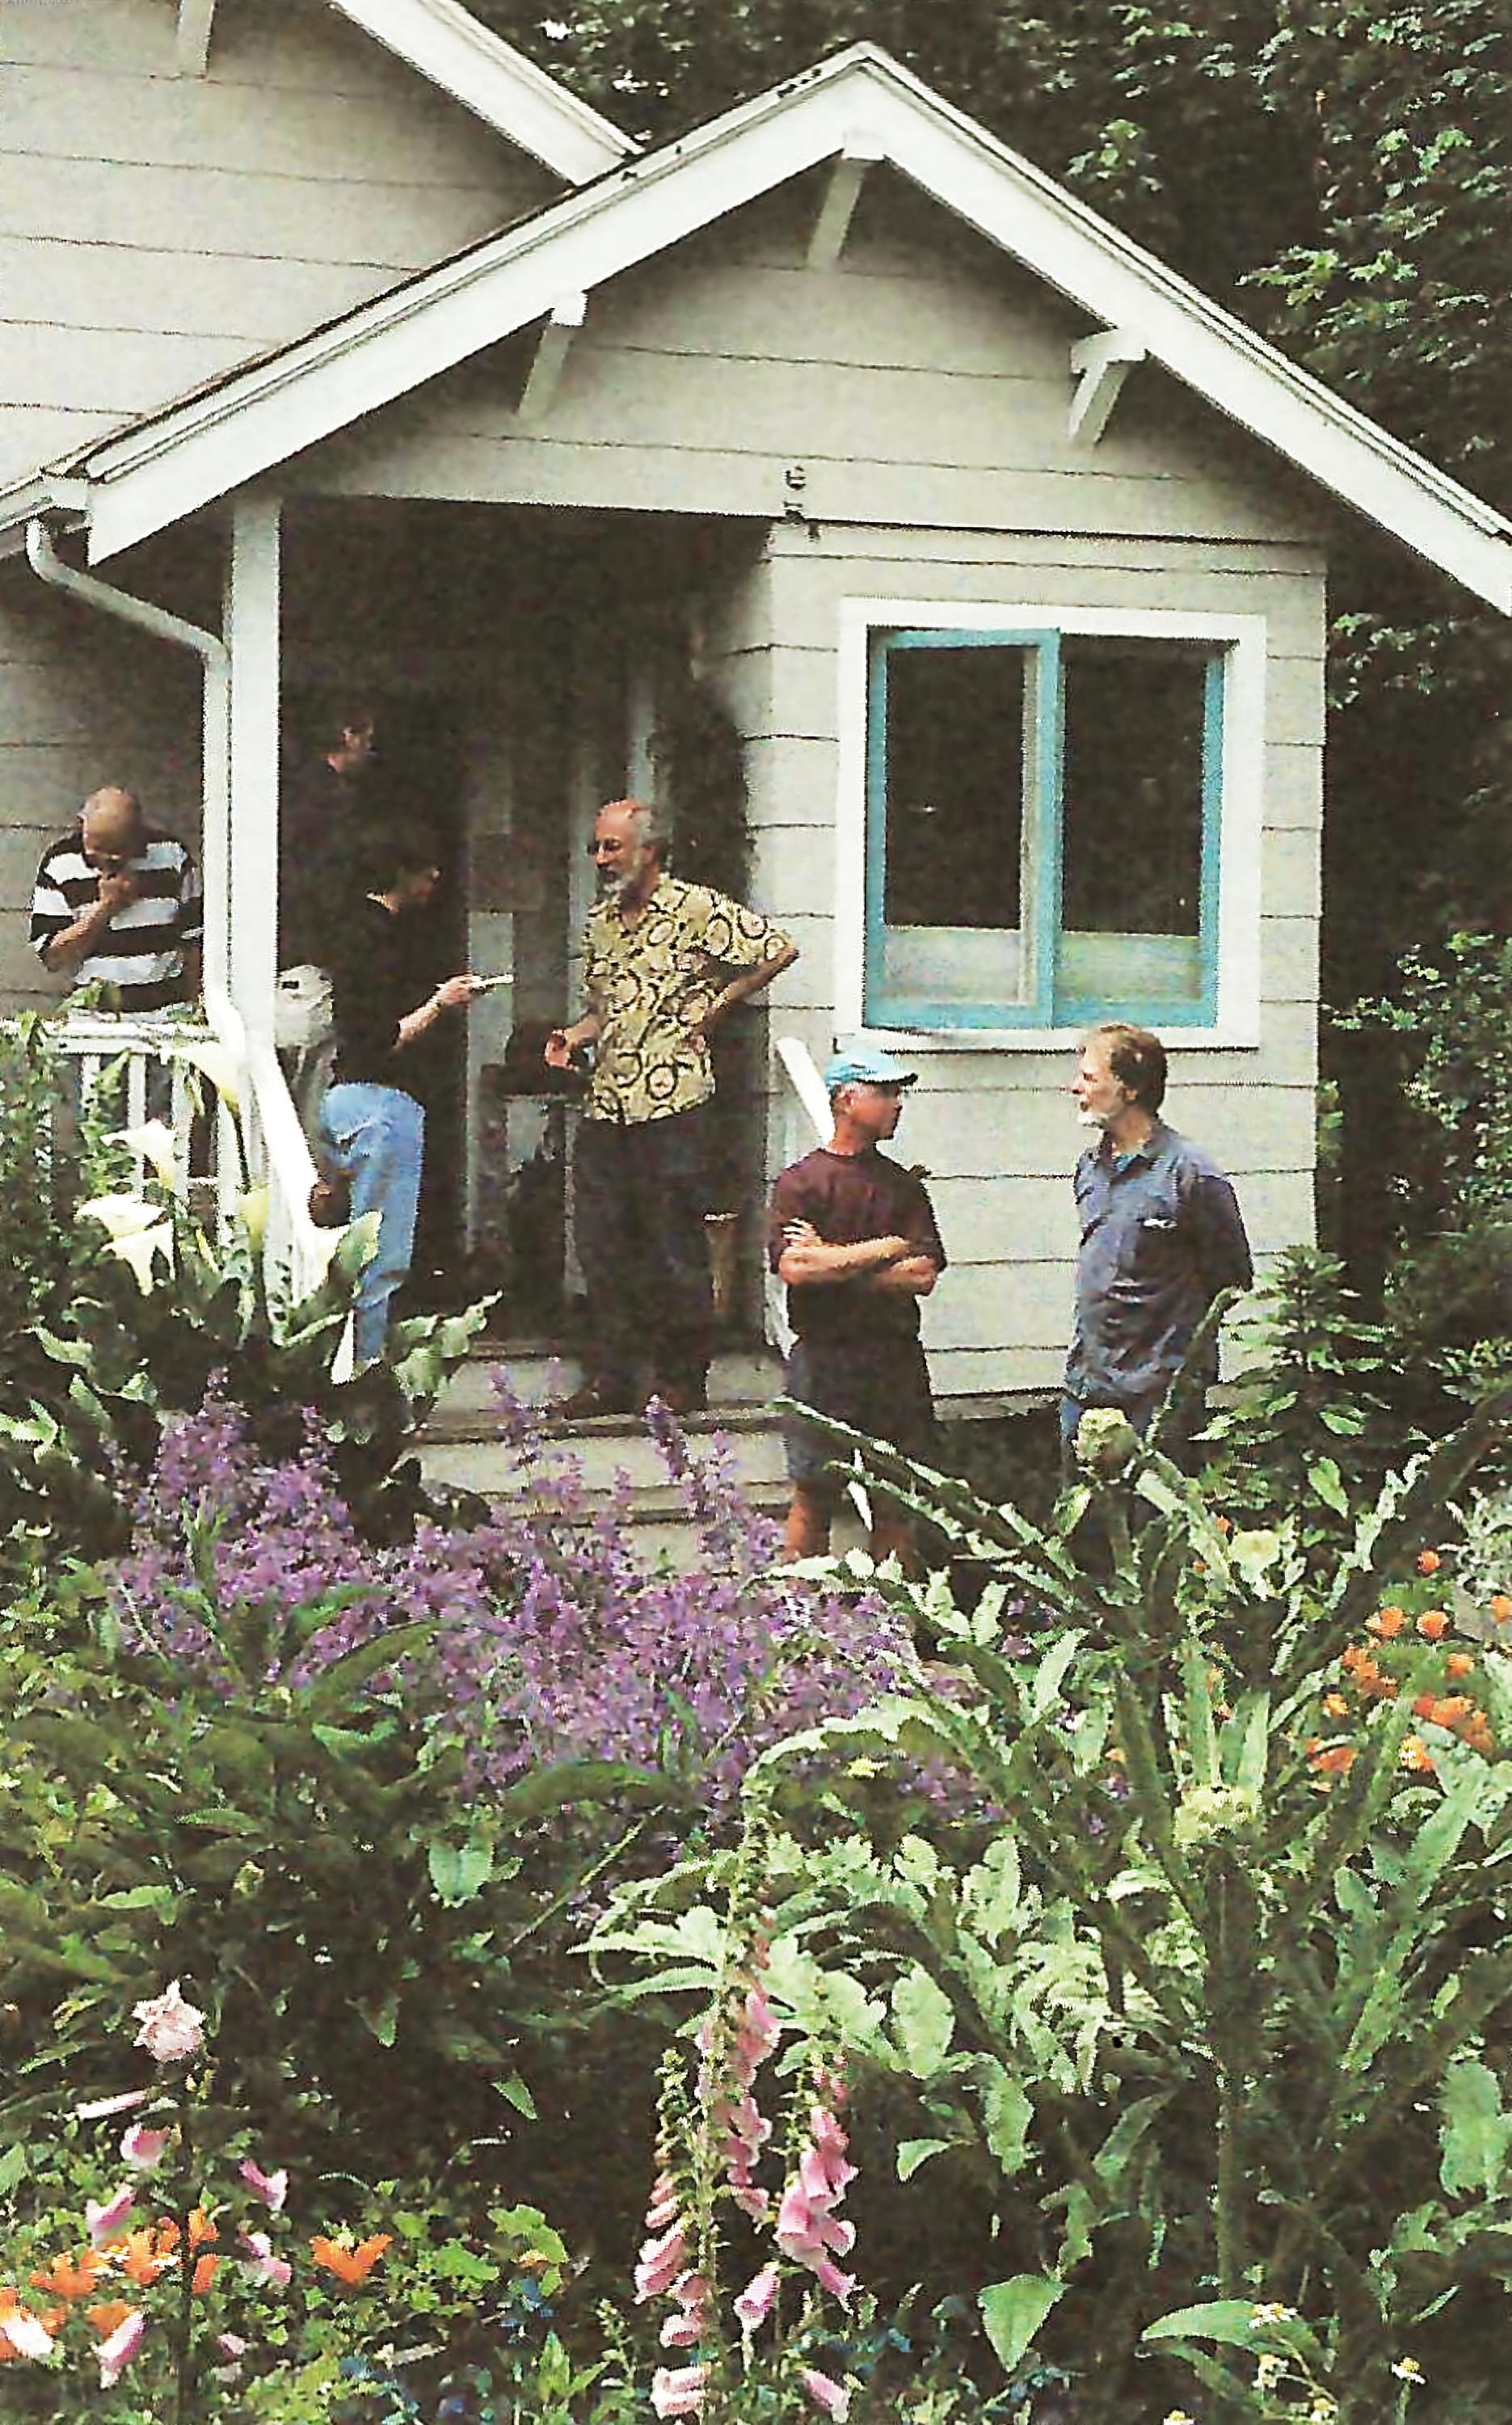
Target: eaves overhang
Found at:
247, 423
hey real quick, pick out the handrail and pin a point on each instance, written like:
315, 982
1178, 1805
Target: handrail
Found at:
277, 1149
801, 1072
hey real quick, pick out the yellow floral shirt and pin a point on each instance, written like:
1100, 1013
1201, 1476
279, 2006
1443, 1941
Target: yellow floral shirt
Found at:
649, 983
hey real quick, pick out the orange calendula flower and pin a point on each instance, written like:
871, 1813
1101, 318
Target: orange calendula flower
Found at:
1459, 1662
71, 2277
349, 2264
1414, 1753
204, 2273
1448, 1712
1429, 1562
1424, 1706
1433, 1625
1387, 1623
1500, 1608
1331, 1759
142, 2255
109, 2317
1335, 1706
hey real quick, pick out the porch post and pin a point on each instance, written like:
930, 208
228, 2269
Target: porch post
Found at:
214, 830
252, 860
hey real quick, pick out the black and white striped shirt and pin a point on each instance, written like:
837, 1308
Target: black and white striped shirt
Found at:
141, 955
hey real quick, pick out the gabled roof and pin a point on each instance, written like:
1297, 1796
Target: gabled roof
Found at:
496, 82
860, 105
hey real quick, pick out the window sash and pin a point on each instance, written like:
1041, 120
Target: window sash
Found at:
1057, 972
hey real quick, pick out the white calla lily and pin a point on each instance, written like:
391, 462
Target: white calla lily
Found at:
138, 1233
155, 1144
218, 1067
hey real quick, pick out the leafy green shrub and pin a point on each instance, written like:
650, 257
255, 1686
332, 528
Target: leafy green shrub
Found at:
1219, 2021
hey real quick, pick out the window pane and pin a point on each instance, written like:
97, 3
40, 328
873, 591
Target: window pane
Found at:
955, 787
1132, 794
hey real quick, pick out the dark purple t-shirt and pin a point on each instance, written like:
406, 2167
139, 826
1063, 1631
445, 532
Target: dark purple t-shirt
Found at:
848, 1197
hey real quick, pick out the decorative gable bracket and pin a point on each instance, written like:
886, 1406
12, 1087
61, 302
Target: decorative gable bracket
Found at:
1099, 366
550, 358
847, 174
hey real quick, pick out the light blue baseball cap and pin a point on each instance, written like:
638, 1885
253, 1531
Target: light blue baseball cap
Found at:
863, 1068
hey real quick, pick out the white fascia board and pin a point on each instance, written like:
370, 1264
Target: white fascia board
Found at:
26, 501
496, 82
259, 417
1210, 351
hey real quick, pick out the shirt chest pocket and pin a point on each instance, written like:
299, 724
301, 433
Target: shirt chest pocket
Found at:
1152, 1242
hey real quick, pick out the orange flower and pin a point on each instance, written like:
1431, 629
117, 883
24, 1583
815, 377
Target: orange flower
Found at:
71, 2278
109, 2316
200, 2227
1429, 1562
1424, 1706
1331, 1759
204, 2273
1335, 1706
142, 2255
1387, 1623
1433, 1625
1414, 1753
1449, 1713
349, 2264
1500, 1608
1459, 1662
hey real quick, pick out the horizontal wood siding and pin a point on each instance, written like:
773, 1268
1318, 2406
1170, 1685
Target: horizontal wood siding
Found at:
998, 1130
83, 702
155, 230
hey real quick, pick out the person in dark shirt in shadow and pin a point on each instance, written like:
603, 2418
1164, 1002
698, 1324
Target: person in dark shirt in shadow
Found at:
371, 1127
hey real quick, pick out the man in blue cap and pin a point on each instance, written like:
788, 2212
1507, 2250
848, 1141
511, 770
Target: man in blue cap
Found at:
852, 1234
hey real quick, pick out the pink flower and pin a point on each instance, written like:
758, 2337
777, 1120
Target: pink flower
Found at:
27, 2335
171, 2030
754, 2305
660, 2263
807, 2228
667, 2203
678, 2390
260, 2265
696, 2320
116, 2354
272, 2188
231, 2344
825, 2393
104, 2222
141, 2147
101, 2105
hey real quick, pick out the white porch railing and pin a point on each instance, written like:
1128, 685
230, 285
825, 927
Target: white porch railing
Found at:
252, 1140
805, 1121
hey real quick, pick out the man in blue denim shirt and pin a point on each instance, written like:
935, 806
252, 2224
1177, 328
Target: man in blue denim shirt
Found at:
1161, 1237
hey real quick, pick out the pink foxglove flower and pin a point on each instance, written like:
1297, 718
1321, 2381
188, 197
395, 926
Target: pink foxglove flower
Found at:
667, 2203
807, 2229
753, 2305
660, 2263
260, 2265
141, 2147
26, 2334
104, 2222
231, 2344
678, 2390
825, 2393
103, 2104
172, 2029
694, 2320
116, 2354
272, 2188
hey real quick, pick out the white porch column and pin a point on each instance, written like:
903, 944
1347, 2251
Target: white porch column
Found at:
215, 831
251, 629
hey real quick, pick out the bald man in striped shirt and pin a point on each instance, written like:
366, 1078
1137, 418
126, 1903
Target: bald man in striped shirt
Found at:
117, 904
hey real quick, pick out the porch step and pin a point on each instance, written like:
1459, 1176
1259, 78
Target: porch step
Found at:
461, 1447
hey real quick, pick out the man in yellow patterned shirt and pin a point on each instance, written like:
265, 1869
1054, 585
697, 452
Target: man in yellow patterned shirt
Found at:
665, 962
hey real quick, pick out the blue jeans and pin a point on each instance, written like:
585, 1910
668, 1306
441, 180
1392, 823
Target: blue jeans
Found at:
377, 1136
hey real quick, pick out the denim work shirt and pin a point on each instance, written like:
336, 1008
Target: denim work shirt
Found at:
1161, 1237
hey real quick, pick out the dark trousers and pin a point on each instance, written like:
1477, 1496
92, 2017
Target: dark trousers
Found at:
640, 1193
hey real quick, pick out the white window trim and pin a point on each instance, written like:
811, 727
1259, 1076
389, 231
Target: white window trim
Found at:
1237, 1022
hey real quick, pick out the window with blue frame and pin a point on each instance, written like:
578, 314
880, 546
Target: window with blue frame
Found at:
1042, 823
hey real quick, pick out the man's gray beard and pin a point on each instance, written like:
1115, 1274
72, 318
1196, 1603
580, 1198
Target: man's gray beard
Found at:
1086, 1119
